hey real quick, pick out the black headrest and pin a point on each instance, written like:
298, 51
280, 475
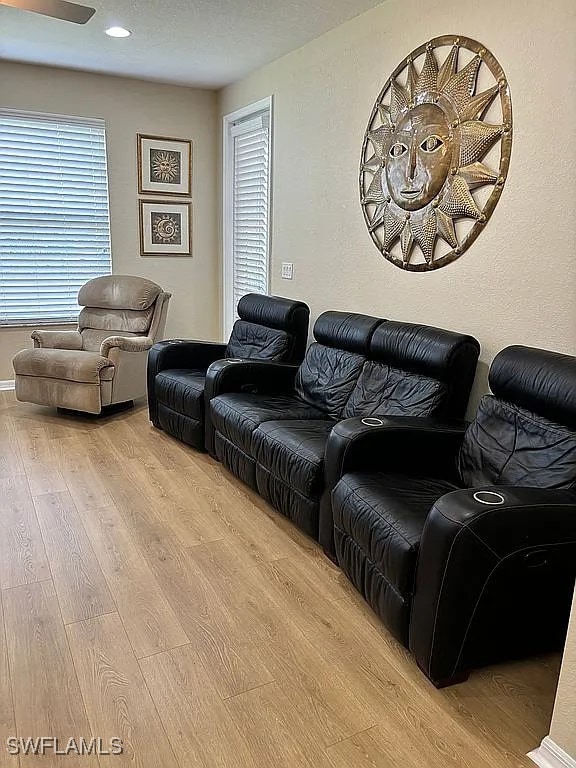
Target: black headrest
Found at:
346, 330
538, 380
272, 311
422, 348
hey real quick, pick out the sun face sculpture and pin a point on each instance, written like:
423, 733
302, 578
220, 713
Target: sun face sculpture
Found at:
434, 144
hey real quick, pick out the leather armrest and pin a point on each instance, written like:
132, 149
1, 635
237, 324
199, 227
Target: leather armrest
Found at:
126, 344
236, 375
183, 353
394, 443
57, 339
178, 353
468, 536
258, 376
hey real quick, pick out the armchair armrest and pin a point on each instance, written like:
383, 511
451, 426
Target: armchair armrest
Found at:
258, 376
125, 344
57, 339
499, 551
184, 353
395, 443
237, 375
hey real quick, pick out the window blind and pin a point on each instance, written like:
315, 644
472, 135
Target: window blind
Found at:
54, 218
250, 205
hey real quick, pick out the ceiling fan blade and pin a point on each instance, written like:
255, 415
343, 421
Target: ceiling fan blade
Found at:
59, 9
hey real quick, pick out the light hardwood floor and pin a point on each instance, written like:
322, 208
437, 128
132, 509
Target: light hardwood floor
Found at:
148, 595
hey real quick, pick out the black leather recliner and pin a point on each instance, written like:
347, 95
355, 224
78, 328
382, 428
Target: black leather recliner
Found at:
274, 437
462, 540
269, 328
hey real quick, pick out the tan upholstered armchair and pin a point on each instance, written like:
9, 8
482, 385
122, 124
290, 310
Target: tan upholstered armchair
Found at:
103, 362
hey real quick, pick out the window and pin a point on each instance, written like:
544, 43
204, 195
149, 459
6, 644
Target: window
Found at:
246, 204
54, 222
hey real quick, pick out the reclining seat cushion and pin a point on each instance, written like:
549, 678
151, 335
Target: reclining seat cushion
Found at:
237, 415
508, 445
249, 340
181, 390
378, 524
293, 451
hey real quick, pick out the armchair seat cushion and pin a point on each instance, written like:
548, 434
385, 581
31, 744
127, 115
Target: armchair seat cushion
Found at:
68, 364
237, 415
293, 451
384, 515
181, 390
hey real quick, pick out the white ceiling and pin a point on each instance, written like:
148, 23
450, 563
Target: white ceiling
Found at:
204, 43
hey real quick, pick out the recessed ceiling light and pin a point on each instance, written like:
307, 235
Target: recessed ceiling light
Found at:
118, 32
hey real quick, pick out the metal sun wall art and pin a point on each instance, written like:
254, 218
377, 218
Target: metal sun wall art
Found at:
436, 153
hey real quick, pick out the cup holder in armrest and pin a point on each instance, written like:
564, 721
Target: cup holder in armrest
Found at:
372, 421
491, 498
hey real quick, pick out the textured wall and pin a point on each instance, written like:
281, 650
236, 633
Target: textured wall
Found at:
130, 107
563, 728
517, 283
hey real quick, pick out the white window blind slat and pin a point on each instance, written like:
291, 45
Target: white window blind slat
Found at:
54, 214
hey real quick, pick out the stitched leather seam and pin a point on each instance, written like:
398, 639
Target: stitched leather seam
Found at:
374, 566
182, 415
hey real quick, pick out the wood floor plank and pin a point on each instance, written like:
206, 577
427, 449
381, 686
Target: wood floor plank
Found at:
221, 627
200, 729
22, 556
47, 697
275, 731
7, 719
116, 696
150, 621
80, 584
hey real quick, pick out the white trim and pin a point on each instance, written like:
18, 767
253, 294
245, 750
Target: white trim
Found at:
227, 170
550, 755
6, 385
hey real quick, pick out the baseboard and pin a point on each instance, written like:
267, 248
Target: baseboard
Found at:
550, 755
9, 384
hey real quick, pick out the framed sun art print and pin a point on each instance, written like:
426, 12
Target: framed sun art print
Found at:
164, 166
165, 228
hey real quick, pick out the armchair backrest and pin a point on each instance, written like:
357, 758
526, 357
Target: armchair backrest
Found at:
415, 370
333, 362
120, 305
525, 432
270, 328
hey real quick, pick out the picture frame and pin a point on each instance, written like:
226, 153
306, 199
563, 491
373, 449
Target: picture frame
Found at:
165, 228
164, 166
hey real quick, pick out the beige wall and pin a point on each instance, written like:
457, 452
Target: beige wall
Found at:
563, 728
130, 107
517, 283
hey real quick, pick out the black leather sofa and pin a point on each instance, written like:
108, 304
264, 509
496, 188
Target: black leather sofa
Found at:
269, 424
463, 540
269, 328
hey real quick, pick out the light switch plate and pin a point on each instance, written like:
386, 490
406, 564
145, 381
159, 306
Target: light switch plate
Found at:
287, 270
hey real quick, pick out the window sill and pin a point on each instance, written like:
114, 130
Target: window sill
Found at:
38, 324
